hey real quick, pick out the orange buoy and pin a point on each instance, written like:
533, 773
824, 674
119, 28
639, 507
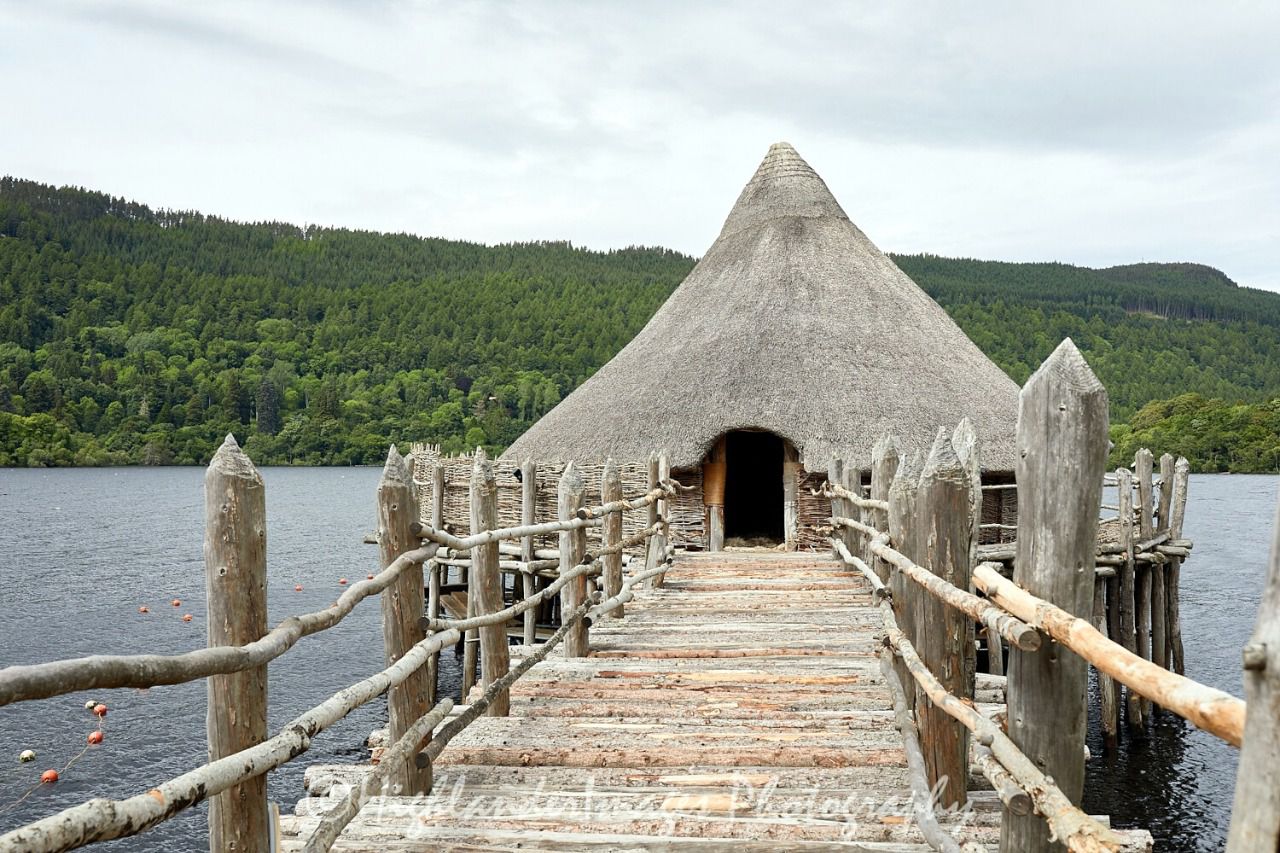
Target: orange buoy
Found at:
342, 581
297, 587
370, 577
99, 710
187, 617
144, 609
177, 602
96, 736
48, 777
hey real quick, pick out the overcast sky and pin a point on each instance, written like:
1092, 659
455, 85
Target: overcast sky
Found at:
1104, 134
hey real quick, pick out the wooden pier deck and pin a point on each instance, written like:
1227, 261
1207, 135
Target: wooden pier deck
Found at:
741, 706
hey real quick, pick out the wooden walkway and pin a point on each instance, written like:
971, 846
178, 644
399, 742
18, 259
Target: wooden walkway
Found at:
741, 707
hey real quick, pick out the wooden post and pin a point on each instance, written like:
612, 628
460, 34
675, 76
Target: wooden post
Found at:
902, 536
713, 479
573, 546
965, 442
652, 556
434, 572
853, 482
1144, 589
486, 584
1062, 451
1108, 707
528, 513
884, 464
945, 634
402, 609
1177, 514
470, 639
835, 476
1128, 587
611, 490
235, 562
664, 512
1255, 814
792, 471
1165, 517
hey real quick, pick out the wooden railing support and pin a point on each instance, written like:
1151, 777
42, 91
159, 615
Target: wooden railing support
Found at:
968, 449
902, 530
486, 581
573, 546
713, 474
884, 464
1143, 590
528, 514
1062, 447
1177, 513
945, 635
1128, 588
662, 539
235, 561
1255, 813
611, 563
434, 571
652, 555
402, 609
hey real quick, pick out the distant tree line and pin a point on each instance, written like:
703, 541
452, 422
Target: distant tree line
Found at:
129, 335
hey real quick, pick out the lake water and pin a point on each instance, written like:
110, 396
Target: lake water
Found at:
81, 550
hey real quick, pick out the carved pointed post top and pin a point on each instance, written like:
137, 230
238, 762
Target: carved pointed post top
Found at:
230, 461
886, 447
942, 462
395, 472
482, 474
571, 483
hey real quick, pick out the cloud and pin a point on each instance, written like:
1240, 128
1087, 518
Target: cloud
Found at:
1091, 133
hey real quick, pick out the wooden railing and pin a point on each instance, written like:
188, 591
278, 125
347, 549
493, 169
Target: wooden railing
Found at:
914, 539
240, 646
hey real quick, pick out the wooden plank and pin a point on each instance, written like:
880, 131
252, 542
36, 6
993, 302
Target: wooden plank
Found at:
235, 561
486, 581
1062, 442
402, 609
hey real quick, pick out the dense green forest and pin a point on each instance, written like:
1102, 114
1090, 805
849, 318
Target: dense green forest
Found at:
134, 335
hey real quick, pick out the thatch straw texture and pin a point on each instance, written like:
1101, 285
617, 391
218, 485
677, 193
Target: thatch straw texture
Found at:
793, 322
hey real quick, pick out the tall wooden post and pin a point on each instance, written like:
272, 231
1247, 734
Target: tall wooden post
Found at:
902, 536
1062, 451
968, 450
945, 635
1255, 814
652, 557
792, 471
528, 512
664, 512
713, 478
835, 476
1159, 611
1145, 572
1108, 706
1128, 587
486, 584
1177, 514
235, 562
434, 571
402, 609
573, 546
884, 464
1165, 516
611, 564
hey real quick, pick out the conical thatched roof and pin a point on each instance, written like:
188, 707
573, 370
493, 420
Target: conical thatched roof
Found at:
793, 322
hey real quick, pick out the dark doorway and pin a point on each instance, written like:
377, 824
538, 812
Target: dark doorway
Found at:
753, 486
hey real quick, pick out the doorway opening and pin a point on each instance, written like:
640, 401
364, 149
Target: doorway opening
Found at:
753, 493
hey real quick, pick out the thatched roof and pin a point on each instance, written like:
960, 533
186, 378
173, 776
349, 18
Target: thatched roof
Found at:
793, 322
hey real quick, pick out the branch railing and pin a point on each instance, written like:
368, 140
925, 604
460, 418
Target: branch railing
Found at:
241, 646
919, 555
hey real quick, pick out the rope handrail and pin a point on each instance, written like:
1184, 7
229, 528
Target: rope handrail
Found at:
102, 819
1218, 713
57, 678
1011, 628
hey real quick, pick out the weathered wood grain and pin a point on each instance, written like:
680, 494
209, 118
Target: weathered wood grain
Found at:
573, 547
486, 583
611, 490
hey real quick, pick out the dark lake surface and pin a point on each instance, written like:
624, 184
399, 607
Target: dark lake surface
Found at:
81, 550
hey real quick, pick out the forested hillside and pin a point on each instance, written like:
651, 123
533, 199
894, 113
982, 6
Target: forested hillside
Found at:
134, 335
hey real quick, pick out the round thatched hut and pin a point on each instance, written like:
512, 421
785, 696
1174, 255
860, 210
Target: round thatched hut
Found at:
794, 340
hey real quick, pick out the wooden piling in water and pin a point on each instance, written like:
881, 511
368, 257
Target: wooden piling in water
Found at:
486, 582
1062, 445
1145, 572
1108, 701
945, 634
1177, 513
573, 546
611, 535
402, 609
235, 561
434, 571
1128, 590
